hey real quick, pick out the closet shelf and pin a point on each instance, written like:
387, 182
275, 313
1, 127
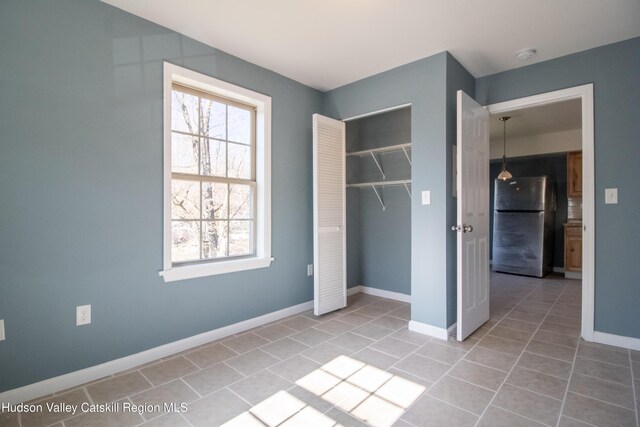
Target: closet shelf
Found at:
374, 184
389, 149
380, 183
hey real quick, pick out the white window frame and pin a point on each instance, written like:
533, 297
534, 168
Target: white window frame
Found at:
262, 103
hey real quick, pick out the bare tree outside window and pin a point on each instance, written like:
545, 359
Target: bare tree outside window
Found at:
213, 177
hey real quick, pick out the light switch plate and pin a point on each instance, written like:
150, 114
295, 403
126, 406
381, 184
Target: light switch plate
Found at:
1, 329
426, 197
611, 196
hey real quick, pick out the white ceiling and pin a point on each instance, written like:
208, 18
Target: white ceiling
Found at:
329, 43
548, 118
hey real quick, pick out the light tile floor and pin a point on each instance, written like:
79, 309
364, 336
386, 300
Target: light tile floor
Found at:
361, 366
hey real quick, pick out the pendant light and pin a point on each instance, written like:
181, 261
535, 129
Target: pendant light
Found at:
504, 174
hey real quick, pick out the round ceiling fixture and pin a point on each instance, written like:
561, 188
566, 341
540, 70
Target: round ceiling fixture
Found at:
525, 54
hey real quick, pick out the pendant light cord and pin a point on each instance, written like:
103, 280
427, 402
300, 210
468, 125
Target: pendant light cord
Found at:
504, 119
504, 144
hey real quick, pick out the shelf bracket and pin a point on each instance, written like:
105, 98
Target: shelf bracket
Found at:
373, 156
406, 187
404, 150
375, 190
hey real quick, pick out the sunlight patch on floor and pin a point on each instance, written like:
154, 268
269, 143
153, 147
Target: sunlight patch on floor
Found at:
369, 394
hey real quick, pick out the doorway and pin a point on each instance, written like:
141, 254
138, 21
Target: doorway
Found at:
585, 95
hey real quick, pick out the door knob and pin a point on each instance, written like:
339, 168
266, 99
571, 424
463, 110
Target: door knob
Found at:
456, 228
467, 228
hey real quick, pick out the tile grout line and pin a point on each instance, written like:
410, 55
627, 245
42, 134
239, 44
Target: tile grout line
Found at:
450, 404
523, 351
566, 392
185, 418
603, 380
602, 361
633, 389
600, 400
86, 392
580, 421
193, 389
473, 384
523, 416
544, 373
242, 398
533, 391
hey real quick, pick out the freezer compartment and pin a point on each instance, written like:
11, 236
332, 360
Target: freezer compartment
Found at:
521, 243
524, 194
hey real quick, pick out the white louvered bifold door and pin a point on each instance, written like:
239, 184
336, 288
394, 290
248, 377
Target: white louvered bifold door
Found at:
329, 216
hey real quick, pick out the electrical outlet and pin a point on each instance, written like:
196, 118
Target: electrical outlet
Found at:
83, 315
1, 329
309, 269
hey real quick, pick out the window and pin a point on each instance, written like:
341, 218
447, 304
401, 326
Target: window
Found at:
216, 176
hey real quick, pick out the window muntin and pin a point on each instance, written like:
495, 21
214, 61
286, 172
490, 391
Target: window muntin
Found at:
213, 177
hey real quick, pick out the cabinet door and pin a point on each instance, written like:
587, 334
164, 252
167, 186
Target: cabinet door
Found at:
572, 249
574, 172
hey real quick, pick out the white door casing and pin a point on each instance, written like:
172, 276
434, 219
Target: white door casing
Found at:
586, 94
329, 215
472, 216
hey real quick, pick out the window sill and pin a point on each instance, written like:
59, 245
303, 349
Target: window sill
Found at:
211, 269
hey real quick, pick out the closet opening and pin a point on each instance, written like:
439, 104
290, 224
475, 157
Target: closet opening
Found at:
378, 203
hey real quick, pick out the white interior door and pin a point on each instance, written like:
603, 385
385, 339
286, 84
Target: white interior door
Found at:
329, 215
473, 215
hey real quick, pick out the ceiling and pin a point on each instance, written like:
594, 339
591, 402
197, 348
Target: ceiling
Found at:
548, 118
329, 43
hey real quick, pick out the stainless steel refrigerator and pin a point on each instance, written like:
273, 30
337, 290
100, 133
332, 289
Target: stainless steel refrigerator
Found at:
524, 211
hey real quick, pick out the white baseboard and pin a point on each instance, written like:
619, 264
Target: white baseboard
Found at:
73, 379
452, 329
430, 330
617, 340
354, 290
397, 296
576, 275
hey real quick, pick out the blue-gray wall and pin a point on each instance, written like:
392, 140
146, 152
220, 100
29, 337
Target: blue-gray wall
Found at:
379, 242
614, 71
81, 192
429, 85
553, 165
423, 85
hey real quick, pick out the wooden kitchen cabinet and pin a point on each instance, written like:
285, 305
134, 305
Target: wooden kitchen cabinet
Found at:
573, 247
574, 174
